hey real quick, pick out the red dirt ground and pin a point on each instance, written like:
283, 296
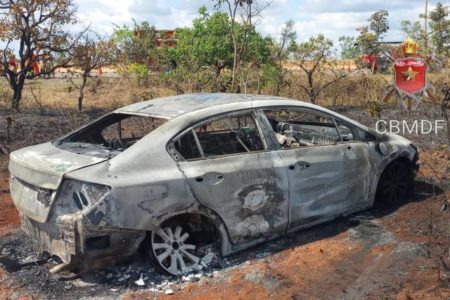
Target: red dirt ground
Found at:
337, 267
9, 218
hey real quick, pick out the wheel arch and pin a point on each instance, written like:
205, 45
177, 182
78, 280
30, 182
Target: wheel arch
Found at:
213, 218
402, 156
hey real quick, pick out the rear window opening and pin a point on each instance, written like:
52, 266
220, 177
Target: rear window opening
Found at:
109, 135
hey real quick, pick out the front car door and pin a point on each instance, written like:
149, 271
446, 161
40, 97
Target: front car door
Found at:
328, 169
225, 160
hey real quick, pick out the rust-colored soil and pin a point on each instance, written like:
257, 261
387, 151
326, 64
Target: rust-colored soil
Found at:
411, 263
9, 216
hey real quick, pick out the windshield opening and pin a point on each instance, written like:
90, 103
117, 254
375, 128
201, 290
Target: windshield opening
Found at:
110, 135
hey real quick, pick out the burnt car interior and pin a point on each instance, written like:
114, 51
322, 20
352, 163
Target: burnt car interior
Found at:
302, 128
227, 135
293, 128
110, 135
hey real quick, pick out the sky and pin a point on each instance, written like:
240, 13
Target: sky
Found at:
333, 18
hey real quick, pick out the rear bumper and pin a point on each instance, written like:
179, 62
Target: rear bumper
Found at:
82, 247
52, 239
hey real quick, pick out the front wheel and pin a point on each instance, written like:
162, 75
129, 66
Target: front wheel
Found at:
396, 182
172, 252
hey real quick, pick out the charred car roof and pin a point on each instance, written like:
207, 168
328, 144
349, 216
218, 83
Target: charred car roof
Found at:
213, 103
172, 107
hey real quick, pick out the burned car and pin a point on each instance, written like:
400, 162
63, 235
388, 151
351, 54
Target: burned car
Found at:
171, 175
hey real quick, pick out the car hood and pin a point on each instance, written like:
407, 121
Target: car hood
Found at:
44, 165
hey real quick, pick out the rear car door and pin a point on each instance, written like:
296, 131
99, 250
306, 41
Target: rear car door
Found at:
226, 162
328, 176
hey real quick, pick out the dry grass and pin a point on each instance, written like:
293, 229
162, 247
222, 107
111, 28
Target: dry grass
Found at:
358, 89
61, 93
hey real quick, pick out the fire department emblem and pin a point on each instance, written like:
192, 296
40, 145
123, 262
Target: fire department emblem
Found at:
410, 78
410, 75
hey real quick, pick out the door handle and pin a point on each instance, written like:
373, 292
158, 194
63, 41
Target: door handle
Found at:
210, 178
302, 165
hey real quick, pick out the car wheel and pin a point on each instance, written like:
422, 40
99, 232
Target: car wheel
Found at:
396, 182
171, 251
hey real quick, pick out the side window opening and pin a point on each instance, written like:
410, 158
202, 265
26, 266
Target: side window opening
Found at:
366, 136
224, 136
302, 128
347, 133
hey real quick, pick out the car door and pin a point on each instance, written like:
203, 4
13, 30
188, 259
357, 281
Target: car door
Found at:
327, 175
226, 162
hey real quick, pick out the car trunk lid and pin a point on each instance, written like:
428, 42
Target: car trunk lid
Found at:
36, 173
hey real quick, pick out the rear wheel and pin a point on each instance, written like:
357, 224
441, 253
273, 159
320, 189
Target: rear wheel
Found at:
172, 252
396, 182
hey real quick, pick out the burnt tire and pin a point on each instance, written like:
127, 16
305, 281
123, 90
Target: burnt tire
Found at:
396, 182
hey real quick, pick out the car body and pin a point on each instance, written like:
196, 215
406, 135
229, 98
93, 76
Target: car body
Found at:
229, 168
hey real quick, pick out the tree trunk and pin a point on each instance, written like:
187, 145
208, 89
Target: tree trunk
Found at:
16, 82
17, 89
81, 96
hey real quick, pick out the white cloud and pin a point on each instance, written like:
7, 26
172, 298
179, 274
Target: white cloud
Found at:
330, 17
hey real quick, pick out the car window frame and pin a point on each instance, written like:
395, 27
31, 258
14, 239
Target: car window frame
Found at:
179, 158
306, 109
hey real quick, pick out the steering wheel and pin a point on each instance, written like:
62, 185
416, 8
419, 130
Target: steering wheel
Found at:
116, 143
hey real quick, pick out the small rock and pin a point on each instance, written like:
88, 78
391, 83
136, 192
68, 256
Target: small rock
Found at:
140, 281
114, 290
264, 254
109, 276
169, 292
207, 259
81, 283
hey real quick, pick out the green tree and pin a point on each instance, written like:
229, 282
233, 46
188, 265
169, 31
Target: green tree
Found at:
370, 37
207, 49
134, 47
282, 49
206, 44
412, 29
440, 29
378, 23
349, 47
246, 10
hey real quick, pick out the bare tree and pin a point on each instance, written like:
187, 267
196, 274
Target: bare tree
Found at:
312, 57
246, 10
88, 55
39, 28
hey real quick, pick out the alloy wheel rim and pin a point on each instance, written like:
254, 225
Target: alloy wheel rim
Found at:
172, 252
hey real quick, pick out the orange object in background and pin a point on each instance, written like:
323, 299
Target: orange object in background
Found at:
13, 64
35, 64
